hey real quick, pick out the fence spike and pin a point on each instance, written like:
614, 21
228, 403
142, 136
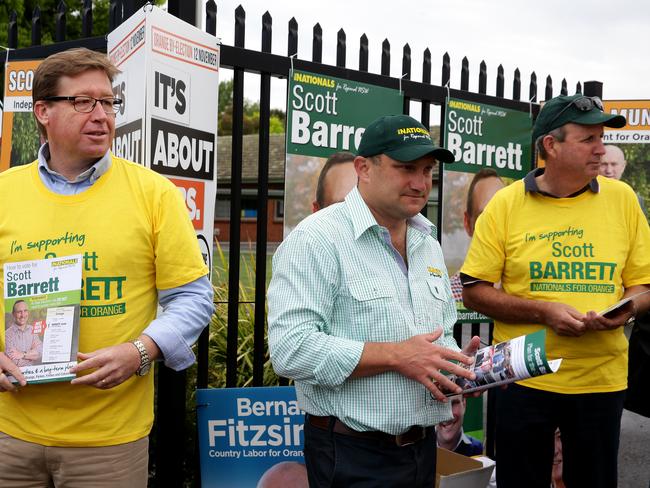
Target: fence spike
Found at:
363, 53
516, 85
464, 75
317, 44
87, 19
385, 58
548, 89
500, 81
482, 78
446, 69
292, 44
211, 17
532, 92
340, 48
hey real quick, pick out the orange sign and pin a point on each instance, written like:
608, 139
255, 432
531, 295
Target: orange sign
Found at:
193, 193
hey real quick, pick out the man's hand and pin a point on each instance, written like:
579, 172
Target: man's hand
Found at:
112, 366
7, 366
564, 319
594, 321
423, 361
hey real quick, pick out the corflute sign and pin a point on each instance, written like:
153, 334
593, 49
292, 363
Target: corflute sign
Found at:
169, 84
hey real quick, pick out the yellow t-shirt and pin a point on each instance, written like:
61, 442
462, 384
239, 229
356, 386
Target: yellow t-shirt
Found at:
133, 230
582, 251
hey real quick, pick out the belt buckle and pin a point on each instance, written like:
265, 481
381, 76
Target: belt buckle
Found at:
409, 438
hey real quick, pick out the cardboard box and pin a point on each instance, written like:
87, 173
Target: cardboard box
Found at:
457, 471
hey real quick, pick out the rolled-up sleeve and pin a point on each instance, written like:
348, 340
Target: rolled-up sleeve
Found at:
301, 297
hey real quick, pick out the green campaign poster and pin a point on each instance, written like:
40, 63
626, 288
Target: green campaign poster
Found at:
325, 115
492, 146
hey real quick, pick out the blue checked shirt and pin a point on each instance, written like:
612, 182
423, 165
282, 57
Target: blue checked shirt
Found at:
337, 283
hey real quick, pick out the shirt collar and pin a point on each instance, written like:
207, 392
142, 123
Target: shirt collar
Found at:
362, 218
92, 174
530, 185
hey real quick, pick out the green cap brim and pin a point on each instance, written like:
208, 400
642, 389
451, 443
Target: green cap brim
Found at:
411, 153
595, 117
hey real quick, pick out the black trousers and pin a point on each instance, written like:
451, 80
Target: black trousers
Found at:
337, 460
590, 426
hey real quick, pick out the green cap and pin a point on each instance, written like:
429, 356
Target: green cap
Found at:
577, 109
402, 138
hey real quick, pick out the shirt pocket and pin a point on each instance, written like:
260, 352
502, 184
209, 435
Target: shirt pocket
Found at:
437, 297
371, 313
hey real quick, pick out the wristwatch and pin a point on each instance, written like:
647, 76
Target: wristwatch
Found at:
145, 362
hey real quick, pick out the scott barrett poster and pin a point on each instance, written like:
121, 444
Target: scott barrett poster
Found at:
492, 148
20, 138
169, 84
325, 115
250, 437
627, 150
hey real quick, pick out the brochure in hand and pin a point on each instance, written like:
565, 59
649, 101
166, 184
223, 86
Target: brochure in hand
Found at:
41, 300
514, 360
613, 310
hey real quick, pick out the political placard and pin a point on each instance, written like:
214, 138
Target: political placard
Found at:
246, 434
325, 115
168, 121
492, 148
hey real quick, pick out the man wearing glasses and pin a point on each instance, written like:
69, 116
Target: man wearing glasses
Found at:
139, 249
565, 244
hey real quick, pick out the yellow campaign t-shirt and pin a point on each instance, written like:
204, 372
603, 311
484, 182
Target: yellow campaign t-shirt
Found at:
134, 233
583, 251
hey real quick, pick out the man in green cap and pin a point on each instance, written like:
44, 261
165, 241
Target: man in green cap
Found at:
565, 243
361, 318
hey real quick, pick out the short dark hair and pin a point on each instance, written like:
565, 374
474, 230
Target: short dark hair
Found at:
481, 175
336, 158
13, 309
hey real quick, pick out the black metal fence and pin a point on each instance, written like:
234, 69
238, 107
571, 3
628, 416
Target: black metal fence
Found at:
169, 434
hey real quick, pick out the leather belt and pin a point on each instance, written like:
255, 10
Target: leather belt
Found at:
411, 436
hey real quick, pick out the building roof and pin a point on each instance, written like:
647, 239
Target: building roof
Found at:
250, 158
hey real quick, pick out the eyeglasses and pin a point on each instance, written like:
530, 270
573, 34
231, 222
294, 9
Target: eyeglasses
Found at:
86, 104
584, 104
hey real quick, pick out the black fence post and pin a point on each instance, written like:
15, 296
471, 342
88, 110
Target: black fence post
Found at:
317, 44
564, 90
500, 82
385, 58
426, 78
578, 87
183, 9
36, 26
235, 206
363, 53
87, 19
593, 89
292, 40
464, 74
482, 78
259, 344
341, 48
114, 14
12, 30
532, 92
60, 22
211, 17
548, 89
516, 85
406, 75
170, 427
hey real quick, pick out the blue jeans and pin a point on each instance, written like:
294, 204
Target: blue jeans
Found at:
590, 426
338, 460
